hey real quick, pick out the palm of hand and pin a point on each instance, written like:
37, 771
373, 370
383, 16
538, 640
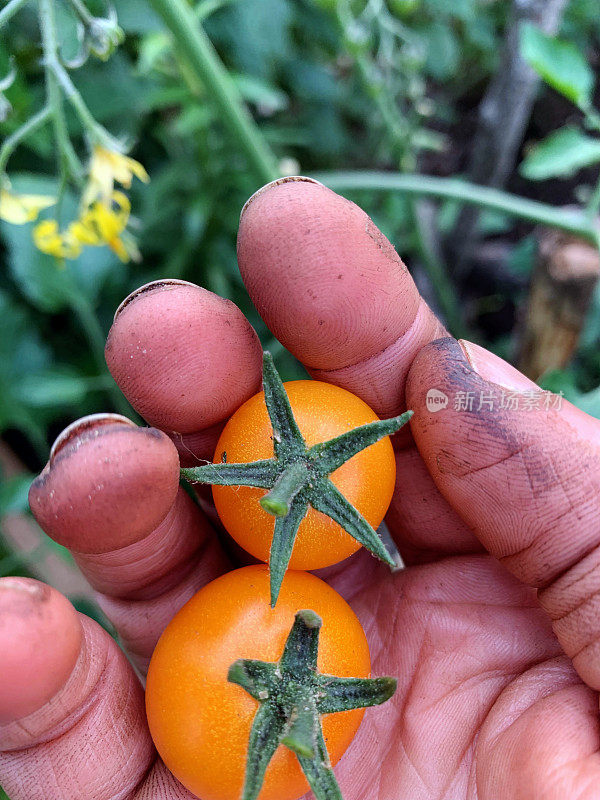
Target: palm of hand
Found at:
489, 706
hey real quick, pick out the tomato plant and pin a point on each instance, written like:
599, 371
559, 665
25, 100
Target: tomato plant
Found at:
234, 697
328, 465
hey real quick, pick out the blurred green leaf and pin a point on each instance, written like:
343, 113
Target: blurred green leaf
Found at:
14, 494
67, 24
403, 8
55, 387
482, 32
590, 403
563, 382
192, 119
443, 51
561, 154
152, 50
522, 256
136, 16
463, 9
491, 223
559, 63
257, 33
560, 381
115, 93
262, 94
33, 389
430, 140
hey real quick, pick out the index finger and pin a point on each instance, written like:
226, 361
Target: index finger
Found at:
185, 358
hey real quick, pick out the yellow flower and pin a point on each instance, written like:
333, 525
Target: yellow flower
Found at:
21, 208
104, 212
49, 239
102, 224
108, 167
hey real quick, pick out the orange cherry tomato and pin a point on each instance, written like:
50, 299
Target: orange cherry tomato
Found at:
322, 411
200, 722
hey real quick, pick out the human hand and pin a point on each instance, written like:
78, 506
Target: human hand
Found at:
497, 686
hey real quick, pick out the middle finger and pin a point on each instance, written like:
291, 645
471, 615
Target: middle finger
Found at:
334, 291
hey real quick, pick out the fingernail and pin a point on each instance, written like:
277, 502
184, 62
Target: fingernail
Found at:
26, 586
86, 426
272, 184
494, 369
165, 283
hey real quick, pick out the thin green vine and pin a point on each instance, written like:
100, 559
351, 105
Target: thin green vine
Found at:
198, 51
574, 221
10, 9
69, 163
14, 140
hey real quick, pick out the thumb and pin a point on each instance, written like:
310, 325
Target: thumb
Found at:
522, 468
72, 717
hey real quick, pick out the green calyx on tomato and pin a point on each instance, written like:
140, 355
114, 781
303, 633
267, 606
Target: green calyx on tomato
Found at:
298, 477
293, 695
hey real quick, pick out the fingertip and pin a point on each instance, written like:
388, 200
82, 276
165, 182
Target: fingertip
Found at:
461, 377
463, 421
326, 281
277, 182
151, 286
79, 729
40, 641
108, 483
440, 354
184, 357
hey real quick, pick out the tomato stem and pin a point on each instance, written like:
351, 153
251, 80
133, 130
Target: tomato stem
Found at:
298, 477
300, 733
292, 696
282, 544
286, 487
